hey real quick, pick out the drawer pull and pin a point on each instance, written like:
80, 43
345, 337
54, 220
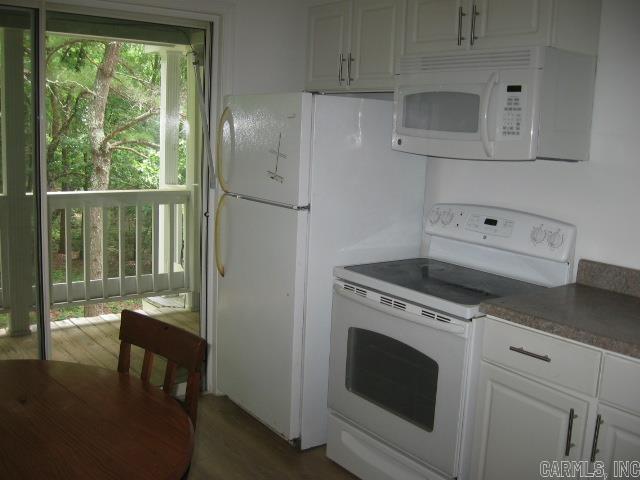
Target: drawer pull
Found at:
594, 447
544, 358
568, 445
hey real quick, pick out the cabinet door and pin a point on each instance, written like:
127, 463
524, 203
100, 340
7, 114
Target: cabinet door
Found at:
374, 43
519, 423
511, 23
436, 25
618, 439
329, 31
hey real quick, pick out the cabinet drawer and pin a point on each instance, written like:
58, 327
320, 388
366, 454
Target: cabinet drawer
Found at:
542, 356
621, 382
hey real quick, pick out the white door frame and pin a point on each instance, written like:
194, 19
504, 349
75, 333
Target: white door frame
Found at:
42, 246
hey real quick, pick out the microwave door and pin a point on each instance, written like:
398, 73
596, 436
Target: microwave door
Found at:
443, 119
491, 116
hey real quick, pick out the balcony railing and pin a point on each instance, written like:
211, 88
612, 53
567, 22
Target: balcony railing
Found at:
169, 244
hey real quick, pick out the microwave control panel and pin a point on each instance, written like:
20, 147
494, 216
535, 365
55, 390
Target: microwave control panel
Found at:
514, 101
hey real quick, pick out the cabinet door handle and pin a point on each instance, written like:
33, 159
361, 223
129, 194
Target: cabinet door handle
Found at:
349, 79
594, 447
522, 351
474, 14
568, 445
340, 64
460, 15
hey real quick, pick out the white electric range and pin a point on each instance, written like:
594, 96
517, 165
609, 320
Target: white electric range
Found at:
402, 338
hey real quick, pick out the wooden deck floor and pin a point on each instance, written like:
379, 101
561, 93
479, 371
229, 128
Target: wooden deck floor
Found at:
94, 341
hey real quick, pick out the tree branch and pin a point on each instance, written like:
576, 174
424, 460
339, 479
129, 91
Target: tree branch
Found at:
51, 52
131, 73
133, 142
125, 126
132, 150
71, 82
73, 111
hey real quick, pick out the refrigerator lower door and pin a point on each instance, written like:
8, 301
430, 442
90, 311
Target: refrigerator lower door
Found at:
259, 311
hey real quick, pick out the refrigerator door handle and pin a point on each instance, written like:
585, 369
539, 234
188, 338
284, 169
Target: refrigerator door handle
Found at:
216, 239
226, 117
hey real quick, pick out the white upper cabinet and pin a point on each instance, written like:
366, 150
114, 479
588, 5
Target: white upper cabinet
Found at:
353, 44
510, 23
436, 25
374, 43
449, 25
328, 42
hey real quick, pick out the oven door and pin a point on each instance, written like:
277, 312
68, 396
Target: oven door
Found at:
400, 376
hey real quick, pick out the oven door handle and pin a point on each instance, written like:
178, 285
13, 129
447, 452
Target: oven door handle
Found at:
454, 328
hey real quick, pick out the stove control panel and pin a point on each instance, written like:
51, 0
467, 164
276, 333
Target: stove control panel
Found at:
504, 229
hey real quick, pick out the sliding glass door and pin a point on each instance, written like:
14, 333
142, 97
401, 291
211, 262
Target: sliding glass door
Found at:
124, 168
20, 289
101, 156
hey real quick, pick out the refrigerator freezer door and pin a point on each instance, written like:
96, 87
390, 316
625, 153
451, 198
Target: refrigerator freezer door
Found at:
264, 147
260, 310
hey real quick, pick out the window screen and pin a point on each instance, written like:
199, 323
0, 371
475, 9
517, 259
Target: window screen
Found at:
442, 111
392, 375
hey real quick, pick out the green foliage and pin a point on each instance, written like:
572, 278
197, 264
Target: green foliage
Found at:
72, 64
71, 72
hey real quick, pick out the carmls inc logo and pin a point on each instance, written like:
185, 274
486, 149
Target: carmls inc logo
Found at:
584, 469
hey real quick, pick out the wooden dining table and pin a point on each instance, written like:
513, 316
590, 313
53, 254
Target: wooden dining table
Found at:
62, 420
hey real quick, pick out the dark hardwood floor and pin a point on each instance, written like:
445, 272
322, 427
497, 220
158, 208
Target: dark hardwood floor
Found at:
232, 445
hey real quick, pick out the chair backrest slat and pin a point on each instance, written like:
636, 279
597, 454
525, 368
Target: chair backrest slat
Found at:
191, 396
147, 366
169, 376
180, 347
124, 358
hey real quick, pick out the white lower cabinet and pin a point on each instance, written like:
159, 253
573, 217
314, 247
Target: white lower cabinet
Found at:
520, 422
618, 438
544, 398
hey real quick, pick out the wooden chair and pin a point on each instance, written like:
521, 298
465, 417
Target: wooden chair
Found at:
180, 347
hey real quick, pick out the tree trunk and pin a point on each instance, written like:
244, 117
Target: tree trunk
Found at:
100, 156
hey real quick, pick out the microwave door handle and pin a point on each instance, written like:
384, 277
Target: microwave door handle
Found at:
484, 114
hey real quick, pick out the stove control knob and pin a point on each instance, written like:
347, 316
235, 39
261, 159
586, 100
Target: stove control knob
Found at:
538, 234
434, 217
446, 217
556, 239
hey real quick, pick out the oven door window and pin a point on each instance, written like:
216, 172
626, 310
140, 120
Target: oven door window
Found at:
438, 111
392, 375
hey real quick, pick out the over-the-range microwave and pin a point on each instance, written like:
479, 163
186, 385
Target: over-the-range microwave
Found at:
517, 104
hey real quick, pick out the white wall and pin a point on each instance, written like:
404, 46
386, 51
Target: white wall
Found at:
270, 46
601, 196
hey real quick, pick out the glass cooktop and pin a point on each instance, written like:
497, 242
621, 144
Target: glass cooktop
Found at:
447, 281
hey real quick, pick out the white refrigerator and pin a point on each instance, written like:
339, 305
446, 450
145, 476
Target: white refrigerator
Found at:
311, 182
